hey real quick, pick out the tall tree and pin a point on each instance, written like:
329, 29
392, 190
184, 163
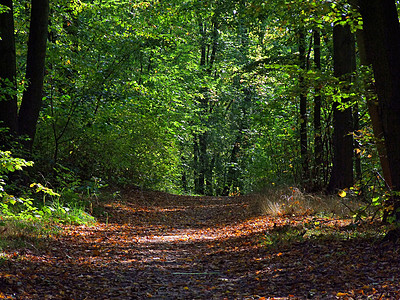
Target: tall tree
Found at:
208, 51
35, 67
382, 41
203, 104
318, 146
8, 73
303, 106
344, 65
373, 109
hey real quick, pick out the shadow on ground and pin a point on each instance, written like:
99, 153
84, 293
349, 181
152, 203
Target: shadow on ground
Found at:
156, 245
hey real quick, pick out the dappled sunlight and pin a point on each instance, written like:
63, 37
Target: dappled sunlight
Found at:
132, 208
207, 248
199, 212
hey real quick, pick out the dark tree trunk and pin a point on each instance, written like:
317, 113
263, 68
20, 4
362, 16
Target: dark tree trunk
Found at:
344, 64
241, 141
8, 96
357, 145
184, 179
209, 177
200, 142
318, 146
232, 169
303, 109
197, 186
374, 113
382, 41
32, 97
203, 162
203, 174
184, 182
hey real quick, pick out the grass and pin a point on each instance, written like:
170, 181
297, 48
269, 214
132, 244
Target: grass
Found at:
70, 213
291, 201
28, 224
17, 233
315, 230
322, 217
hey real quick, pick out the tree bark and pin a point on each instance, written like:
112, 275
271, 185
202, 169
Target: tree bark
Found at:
303, 108
8, 71
382, 37
318, 146
232, 169
374, 112
203, 161
197, 185
382, 41
357, 145
32, 97
203, 174
344, 64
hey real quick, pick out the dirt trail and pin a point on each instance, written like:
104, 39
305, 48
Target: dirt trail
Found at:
160, 246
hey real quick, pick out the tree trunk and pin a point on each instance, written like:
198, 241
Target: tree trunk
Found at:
318, 147
303, 109
197, 185
382, 41
32, 97
344, 64
357, 145
203, 175
374, 111
8, 72
232, 169
203, 162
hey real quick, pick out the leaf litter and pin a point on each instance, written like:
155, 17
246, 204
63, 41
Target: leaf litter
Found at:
161, 246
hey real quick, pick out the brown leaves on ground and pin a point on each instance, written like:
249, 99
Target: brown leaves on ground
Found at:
156, 245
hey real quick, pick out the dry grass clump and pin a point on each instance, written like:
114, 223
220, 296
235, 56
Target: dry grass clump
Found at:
19, 233
292, 201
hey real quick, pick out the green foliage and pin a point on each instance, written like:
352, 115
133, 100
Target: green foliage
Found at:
166, 94
28, 209
11, 164
54, 211
3, 8
129, 107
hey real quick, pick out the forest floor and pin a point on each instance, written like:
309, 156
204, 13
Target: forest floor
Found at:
161, 246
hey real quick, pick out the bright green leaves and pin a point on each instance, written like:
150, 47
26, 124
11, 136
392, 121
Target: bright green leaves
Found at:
40, 188
3, 9
9, 163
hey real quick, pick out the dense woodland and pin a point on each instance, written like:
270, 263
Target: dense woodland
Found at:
189, 149
217, 97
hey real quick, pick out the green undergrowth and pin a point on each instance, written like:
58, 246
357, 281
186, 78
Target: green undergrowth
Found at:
315, 218
29, 215
25, 223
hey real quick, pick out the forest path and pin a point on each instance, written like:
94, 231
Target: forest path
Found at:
161, 246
